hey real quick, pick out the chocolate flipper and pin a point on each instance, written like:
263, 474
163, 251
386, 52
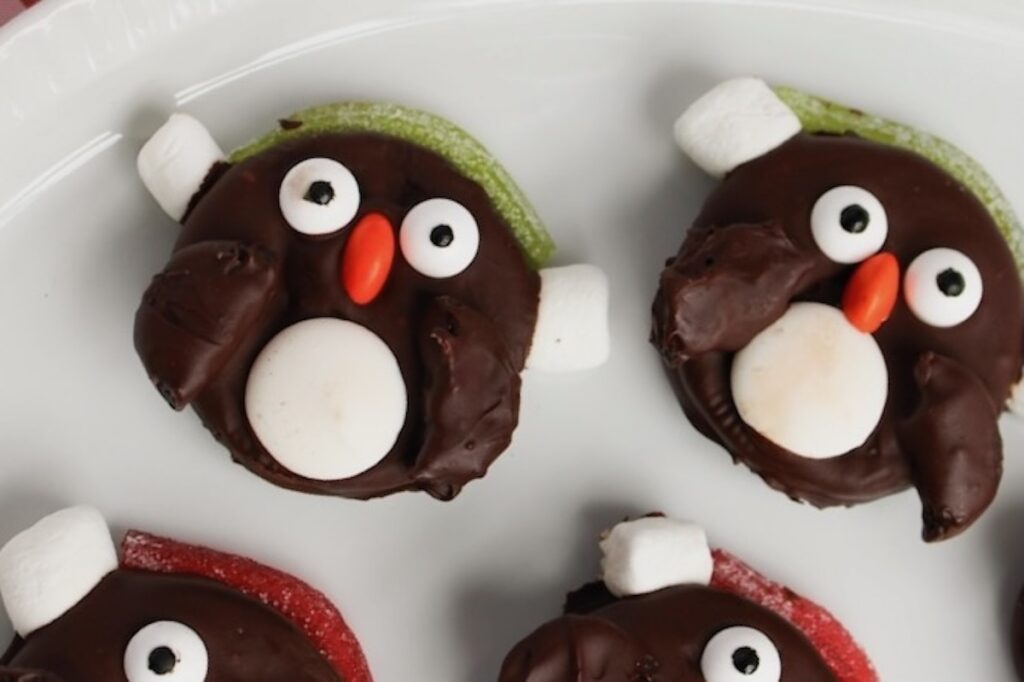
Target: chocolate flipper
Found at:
726, 285
22, 675
583, 648
471, 397
11, 674
954, 443
184, 330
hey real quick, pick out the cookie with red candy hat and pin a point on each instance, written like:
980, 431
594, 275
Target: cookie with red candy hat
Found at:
353, 297
164, 611
670, 608
845, 315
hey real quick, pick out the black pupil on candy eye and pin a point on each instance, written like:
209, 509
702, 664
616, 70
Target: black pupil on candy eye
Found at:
746, 660
854, 219
950, 282
320, 192
162, 660
442, 236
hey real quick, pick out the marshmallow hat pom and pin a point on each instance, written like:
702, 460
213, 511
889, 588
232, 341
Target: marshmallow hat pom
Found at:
175, 161
48, 568
736, 121
572, 320
653, 553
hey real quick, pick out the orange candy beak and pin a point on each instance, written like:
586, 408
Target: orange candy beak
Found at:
368, 257
871, 293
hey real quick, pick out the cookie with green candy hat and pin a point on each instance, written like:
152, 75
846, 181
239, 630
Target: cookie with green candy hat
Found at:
353, 298
845, 315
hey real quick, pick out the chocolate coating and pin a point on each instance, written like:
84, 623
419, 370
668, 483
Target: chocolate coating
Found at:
239, 275
651, 637
245, 639
15, 675
750, 253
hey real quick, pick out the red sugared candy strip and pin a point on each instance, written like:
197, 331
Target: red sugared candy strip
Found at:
308, 608
837, 646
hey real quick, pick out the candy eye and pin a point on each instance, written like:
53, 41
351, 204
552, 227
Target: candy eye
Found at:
166, 651
319, 196
439, 238
848, 224
942, 287
740, 654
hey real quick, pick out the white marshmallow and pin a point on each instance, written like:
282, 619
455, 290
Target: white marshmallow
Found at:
811, 383
1015, 403
572, 319
734, 122
326, 398
175, 160
48, 568
652, 553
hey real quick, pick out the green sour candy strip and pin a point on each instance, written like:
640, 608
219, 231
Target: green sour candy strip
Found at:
823, 116
433, 133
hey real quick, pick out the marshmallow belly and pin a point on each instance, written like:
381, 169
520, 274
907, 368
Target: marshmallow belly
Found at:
811, 383
326, 398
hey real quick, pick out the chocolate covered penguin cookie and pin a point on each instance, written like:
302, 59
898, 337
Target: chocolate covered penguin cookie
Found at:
669, 608
845, 314
353, 298
165, 611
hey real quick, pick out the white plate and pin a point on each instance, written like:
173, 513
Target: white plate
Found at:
577, 98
